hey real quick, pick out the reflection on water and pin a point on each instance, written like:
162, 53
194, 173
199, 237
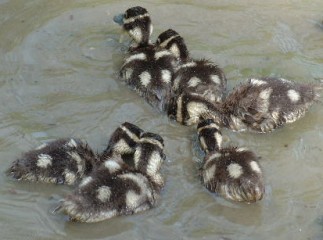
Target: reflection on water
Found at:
58, 78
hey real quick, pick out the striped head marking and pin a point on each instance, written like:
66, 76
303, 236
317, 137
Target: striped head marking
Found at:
152, 138
136, 21
173, 42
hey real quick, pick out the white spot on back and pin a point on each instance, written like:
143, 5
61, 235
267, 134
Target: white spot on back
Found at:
215, 79
145, 78
257, 82
139, 56
265, 94
133, 199
70, 177
85, 181
128, 73
161, 54
195, 110
255, 166
293, 95
112, 165
103, 193
166, 76
235, 170
44, 160
194, 81
263, 102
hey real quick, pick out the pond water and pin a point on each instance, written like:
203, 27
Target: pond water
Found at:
58, 78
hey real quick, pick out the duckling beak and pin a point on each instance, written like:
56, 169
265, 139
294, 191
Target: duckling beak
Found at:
119, 19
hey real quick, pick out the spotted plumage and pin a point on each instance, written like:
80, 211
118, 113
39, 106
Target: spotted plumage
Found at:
265, 104
116, 188
232, 172
64, 161
147, 69
192, 78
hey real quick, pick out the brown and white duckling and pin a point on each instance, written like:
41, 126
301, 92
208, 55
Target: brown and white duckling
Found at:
146, 69
199, 80
63, 161
123, 142
232, 172
117, 189
265, 104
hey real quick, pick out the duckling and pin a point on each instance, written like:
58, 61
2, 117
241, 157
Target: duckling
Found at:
265, 104
232, 172
123, 142
63, 161
193, 78
116, 188
147, 69
137, 23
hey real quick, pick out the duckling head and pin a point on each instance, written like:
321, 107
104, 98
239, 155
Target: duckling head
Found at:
173, 42
137, 23
234, 173
149, 157
122, 141
209, 135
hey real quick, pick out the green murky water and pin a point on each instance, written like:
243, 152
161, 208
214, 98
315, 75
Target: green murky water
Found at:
58, 64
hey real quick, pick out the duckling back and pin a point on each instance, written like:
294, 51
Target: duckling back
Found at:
264, 104
146, 69
63, 161
192, 78
232, 172
117, 188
